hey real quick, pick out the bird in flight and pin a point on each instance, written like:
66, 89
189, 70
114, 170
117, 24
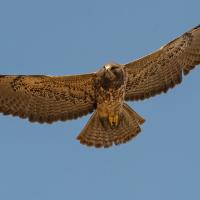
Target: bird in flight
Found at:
47, 99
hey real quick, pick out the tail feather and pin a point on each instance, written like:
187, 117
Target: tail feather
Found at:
97, 134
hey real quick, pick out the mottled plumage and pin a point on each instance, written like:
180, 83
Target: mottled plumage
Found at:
50, 98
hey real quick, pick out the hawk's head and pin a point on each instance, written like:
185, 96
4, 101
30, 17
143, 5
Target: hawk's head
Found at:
112, 75
113, 72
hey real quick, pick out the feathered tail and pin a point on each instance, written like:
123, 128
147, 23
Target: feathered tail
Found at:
99, 134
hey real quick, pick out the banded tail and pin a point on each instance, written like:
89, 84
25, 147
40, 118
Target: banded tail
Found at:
99, 134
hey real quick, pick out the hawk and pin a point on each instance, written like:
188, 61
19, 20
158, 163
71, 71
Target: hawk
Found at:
47, 99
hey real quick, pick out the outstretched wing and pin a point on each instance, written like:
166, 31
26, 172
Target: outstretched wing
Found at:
161, 70
47, 98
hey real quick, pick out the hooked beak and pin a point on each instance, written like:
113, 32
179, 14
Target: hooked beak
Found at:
107, 67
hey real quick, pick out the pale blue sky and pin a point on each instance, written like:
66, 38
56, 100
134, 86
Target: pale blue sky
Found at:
56, 37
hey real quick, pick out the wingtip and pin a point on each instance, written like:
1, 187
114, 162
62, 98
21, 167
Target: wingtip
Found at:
198, 26
195, 28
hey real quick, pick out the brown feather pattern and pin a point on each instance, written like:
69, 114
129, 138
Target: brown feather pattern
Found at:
161, 70
95, 134
47, 99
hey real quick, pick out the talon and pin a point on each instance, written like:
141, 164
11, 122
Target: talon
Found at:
114, 120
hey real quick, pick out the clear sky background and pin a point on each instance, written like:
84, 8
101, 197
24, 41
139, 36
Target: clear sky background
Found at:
56, 37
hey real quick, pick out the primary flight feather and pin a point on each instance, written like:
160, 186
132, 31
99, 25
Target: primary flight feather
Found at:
47, 99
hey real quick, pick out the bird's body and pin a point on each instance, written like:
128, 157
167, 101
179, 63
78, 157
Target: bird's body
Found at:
110, 92
47, 99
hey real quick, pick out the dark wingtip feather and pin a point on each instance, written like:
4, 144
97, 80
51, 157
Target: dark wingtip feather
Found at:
196, 27
1, 75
